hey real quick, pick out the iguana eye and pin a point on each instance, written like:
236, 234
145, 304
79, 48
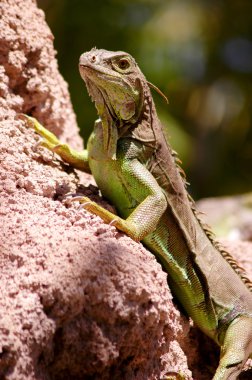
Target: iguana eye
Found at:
123, 64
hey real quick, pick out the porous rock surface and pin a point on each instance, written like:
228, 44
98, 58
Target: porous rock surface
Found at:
29, 77
78, 299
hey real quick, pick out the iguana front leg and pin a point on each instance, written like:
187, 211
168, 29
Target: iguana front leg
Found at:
79, 160
144, 189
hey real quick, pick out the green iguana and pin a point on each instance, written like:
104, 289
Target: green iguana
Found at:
136, 170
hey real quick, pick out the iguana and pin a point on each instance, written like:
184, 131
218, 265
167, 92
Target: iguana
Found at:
136, 170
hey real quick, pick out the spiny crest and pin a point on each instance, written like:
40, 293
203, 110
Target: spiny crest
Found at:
227, 256
178, 163
209, 233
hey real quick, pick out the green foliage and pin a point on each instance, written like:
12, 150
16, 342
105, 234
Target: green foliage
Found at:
199, 53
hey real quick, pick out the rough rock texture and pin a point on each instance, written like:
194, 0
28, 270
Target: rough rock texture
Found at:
29, 77
78, 299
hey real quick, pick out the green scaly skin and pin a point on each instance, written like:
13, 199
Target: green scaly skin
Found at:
135, 169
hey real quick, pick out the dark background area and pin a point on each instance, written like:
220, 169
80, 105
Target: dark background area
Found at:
199, 53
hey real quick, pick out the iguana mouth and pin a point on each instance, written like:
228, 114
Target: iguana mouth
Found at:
97, 69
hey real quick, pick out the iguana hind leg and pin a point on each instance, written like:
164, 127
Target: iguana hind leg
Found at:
236, 349
78, 160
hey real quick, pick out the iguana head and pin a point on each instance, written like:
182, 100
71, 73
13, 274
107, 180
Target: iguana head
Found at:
113, 80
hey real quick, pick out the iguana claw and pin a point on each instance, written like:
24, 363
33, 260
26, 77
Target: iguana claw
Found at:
78, 160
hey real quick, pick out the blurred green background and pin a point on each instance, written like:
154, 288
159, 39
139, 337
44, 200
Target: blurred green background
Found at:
199, 53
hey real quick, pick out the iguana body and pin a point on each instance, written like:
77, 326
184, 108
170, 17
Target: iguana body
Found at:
136, 170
